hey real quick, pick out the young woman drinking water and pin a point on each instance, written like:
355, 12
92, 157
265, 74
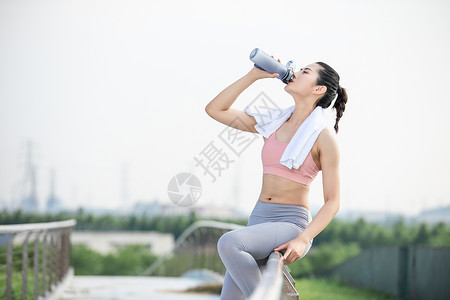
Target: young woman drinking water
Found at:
281, 218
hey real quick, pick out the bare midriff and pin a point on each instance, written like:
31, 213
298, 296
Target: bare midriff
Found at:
277, 189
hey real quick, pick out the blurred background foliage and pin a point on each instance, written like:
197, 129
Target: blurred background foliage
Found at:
339, 241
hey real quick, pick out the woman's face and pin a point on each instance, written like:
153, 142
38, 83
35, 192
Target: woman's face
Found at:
303, 82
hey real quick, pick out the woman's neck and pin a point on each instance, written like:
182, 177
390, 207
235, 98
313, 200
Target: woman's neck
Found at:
300, 114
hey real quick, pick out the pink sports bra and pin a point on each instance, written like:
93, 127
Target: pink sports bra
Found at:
271, 154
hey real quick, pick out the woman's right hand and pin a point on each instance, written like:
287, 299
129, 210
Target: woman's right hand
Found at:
257, 73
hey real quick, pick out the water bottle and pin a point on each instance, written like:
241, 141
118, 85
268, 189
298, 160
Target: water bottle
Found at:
269, 64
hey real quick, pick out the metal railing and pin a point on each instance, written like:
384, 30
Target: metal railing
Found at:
269, 288
277, 282
197, 247
34, 258
198, 243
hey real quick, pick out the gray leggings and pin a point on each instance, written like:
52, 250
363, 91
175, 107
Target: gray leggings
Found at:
245, 250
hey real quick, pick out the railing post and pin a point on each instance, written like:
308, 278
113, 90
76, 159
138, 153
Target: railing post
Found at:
62, 259
9, 264
25, 267
44, 262
51, 261
289, 290
59, 265
36, 266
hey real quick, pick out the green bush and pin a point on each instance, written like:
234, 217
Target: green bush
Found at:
86, 261
325, 256
396, 232
126, 260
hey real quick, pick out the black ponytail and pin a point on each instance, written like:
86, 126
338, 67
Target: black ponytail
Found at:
339, 105
330, 78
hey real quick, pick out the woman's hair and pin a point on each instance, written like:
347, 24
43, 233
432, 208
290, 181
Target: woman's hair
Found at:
330, 78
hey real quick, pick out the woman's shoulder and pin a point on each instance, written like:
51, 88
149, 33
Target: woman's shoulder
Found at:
327, 140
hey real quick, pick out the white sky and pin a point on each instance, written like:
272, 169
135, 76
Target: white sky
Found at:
99, 86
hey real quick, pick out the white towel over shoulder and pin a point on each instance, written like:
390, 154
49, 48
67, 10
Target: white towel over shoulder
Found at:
269, 120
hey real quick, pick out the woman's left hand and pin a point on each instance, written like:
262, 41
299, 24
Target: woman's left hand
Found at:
294, 250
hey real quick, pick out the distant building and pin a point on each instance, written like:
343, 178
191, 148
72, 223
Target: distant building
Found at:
435, 215
145, 208
29, 201
53, 202
209, 211
217, 211
53, 205
30, 204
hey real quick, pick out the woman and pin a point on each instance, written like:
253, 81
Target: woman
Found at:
281, 219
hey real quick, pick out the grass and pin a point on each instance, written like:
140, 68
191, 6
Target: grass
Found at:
206, 288
313, 289
324, 289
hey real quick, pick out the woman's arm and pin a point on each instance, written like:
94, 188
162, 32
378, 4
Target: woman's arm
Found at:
329, 161
219, 108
